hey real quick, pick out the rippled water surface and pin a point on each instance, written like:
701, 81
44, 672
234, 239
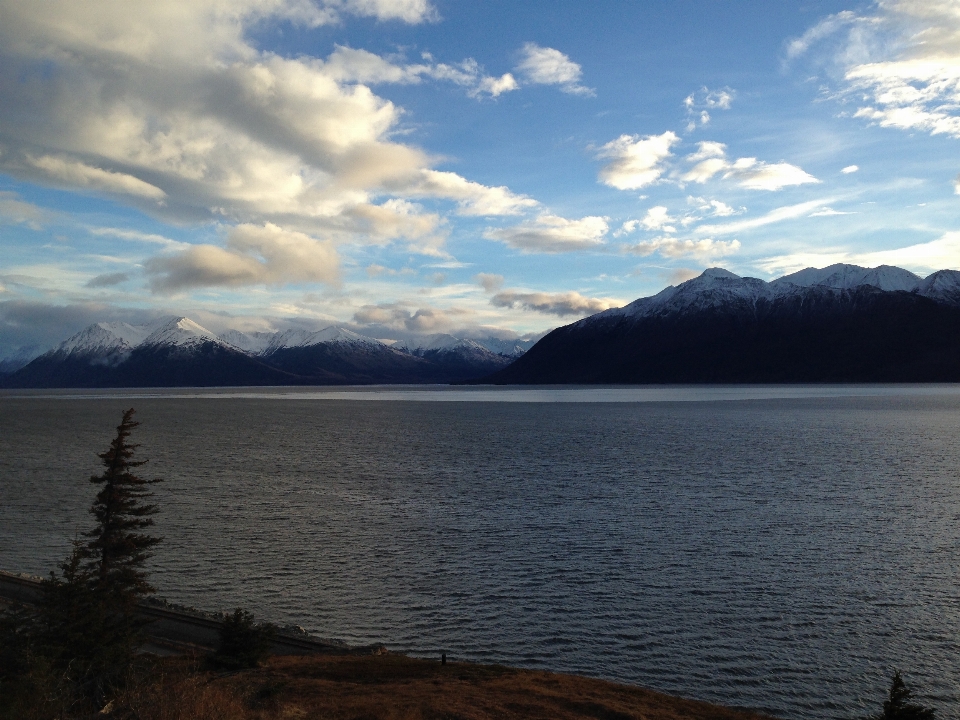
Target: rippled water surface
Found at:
774, 548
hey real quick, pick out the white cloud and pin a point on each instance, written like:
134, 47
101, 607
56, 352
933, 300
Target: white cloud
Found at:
546, 66
400, 316
494, 87
552, 234
635, 161
850, 169
473, 198
169, 106
956, 185
788, 212
671, 247
137, 236
253, 255
657, 218
829, 212
699, 103
562, 304
711, 160
901, 63
922, 258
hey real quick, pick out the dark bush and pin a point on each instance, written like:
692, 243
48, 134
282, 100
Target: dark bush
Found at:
243, 642
898, 705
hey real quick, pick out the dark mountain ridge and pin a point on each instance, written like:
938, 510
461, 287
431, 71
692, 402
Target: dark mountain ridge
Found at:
839, 324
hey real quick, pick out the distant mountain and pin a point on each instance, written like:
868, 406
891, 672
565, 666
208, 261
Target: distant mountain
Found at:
842, 323
176, 351
460, 358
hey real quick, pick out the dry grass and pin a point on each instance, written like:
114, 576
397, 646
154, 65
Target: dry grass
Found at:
394, 687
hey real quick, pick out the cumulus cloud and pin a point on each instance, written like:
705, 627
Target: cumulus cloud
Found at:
489, 282
901, 63
552, 234
170, 107
635, 161
473, 198
711, 160
562, 304
713, 208
657, 218
495, 86
671, 247
546, 66
850, 169
265, 254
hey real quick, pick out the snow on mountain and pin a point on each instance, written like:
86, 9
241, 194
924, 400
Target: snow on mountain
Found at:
848, 277
341, 336
105, 338
252, 343
943, 285
16, 358
438, 341
717, 287
180, 332
507, 348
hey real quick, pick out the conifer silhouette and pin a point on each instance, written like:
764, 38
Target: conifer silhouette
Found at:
899, 706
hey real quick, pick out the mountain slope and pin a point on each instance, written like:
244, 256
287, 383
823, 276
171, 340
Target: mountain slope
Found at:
832, 325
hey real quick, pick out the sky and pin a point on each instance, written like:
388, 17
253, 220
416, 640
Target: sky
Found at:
478, 168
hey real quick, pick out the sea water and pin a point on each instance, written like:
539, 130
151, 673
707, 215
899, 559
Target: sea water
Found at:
780, 548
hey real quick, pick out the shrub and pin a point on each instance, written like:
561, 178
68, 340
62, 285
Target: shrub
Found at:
243, 642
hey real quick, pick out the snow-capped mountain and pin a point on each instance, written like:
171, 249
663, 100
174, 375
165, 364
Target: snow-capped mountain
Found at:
842, 323
179, 351
719, 288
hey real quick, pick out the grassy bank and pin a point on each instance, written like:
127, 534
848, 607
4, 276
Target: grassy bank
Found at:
379, 687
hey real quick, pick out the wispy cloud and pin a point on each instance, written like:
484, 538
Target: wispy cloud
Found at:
781, 214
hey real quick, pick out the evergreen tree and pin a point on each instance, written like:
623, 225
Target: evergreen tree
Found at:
899, 706
88, 621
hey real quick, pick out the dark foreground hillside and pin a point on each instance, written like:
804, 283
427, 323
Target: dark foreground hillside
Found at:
391, 687
861, 335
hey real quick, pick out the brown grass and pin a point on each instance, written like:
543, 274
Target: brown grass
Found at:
394, 687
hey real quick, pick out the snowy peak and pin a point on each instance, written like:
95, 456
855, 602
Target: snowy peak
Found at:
848, 277
339, 335
181, 332
439, 341
105, 338
719, 288
253, 343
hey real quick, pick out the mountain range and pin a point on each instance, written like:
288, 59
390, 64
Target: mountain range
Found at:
177, 351
842, 323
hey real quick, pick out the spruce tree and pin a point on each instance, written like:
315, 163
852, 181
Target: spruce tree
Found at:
898, 706
88, 615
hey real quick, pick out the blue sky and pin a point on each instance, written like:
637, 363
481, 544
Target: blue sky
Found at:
417, 166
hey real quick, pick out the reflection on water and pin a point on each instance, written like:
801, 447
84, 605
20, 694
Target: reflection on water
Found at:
784, 549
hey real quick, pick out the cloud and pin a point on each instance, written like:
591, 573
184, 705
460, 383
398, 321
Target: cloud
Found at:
562, 304
496, 86
171, 108
16, 211
787, 212
137, 236
399, 316
713, 208
901, 63
850, 169
473, 198
546, 66
635, 161
552, 234
107, 280
657, 218
711, 159
699, 104
956, 185
922, 258
253, 255
489, 282
671, 247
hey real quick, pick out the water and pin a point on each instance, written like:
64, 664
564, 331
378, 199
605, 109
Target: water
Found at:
770, 547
